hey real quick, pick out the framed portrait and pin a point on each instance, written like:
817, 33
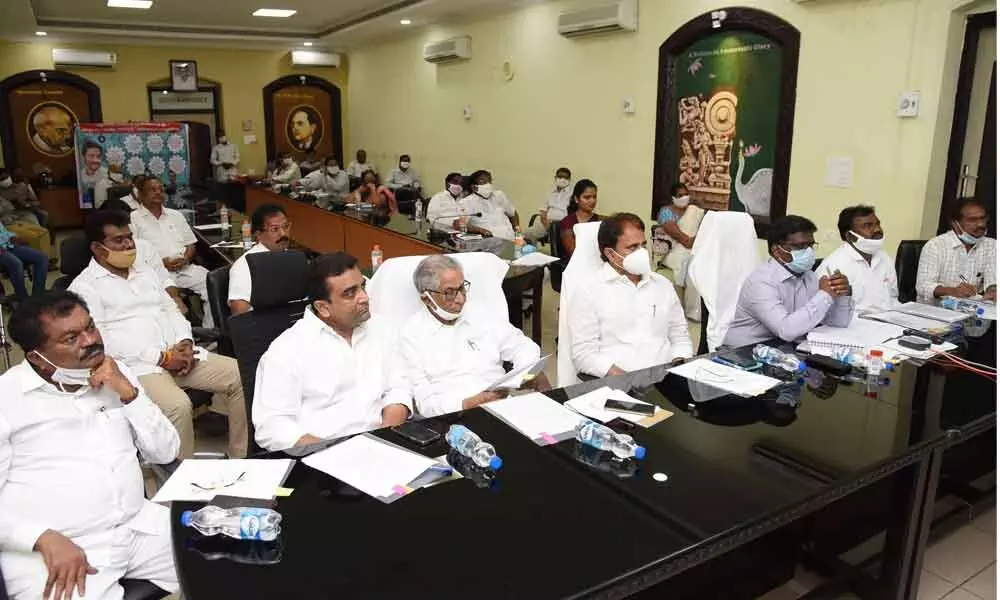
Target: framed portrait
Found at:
304, 128
725, 113
302, 117
184, 76
50, 128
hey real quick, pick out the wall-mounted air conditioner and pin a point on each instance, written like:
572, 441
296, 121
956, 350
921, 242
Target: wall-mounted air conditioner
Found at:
459, 48
617, 16
83, 58
312, 58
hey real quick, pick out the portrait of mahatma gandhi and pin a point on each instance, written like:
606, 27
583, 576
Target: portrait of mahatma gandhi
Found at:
50, 128
304, 128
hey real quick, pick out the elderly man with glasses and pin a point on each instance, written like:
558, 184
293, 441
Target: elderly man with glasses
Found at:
453, 352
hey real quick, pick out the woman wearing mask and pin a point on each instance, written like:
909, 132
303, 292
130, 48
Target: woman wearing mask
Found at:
582, 205
673, 239
286, 171
331, 181
372, 192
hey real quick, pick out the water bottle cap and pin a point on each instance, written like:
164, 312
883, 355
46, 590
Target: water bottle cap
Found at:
640, 452
876, 353
802, 367
889, 366
495, 463
186, 517
980, 311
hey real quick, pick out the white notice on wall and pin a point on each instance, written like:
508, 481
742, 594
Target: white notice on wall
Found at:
249, 139
839, 172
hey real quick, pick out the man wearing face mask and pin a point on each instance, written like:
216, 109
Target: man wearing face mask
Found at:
225, 157
962, 261
861, 259
73, 519
299, 398
445, 209
286, 171
452, 354
783, 298
499, 216
404, 177
555, 207
271, 226
329, 180
143, 328
630, 317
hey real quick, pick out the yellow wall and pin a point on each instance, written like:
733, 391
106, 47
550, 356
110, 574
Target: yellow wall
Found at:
564, 105
242, 75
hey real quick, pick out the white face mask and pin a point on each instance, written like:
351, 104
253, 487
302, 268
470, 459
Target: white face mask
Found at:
333, 170
562, 183
636, 263
485, 190
867, 246
404, 165
443, 314
6, 182
67, 376
682, 201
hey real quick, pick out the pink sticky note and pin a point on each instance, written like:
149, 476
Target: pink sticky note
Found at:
548, 439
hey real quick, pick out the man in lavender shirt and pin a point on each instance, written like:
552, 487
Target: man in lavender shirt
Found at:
784, 298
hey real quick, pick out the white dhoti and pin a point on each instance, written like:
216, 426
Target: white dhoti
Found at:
194, 278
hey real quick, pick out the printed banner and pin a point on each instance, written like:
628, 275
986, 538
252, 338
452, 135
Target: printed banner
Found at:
154, 149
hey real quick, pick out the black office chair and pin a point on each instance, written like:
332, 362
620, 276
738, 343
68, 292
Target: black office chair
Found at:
218, 302
74, 256
278, 280
556, 268
907, 263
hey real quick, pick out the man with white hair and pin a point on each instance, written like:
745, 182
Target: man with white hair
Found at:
53, 130
454, 353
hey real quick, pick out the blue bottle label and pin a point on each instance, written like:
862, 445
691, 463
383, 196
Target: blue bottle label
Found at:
250, 523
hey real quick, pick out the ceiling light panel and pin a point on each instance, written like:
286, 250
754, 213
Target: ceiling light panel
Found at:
279, 13
130, 3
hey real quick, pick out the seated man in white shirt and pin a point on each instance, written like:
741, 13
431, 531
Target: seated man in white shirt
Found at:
143, 328
627, 317
286, 171
499, 216
444, 209
330, 180
962, 261
555, 207
173, 238
271, 226
73, 519
358, 166
330, 374
869, 269
452, 355
404, 177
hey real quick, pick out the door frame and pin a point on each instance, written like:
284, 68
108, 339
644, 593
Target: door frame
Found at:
974, 25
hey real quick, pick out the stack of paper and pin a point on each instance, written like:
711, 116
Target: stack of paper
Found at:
591, 404
376, 467
539, 417
516, 378
535, 259
908, 321
932, 312
733, 380
202, 480
861, 332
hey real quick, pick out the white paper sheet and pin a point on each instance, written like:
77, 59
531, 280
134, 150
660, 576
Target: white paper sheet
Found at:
208, 226
591, 405
932, 312
733, 380
243, 478
535, 259
225, 244
861, 332
538, 417
515, 379
374, 466
908, 321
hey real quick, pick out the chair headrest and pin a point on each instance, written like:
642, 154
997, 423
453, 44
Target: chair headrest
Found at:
277, 278
74, 255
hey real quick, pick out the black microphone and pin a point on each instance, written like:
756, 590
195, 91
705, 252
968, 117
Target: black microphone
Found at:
475, 214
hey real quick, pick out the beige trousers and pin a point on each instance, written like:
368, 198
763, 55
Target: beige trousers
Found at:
217, 374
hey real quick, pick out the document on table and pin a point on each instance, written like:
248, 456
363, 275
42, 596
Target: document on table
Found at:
208, 226
932, 312
515, 379
591, 405
733, 380
861, 333
378, 468
225, 244
908, 321
540, 418
202, 480
535, 259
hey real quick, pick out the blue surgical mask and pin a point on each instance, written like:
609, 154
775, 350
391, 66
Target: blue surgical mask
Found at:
968, 238
802, 260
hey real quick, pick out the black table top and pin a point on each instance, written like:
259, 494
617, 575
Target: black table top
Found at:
561, 521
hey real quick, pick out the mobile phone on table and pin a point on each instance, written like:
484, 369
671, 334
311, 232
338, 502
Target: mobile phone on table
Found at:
638, 408
417, 433
741, 359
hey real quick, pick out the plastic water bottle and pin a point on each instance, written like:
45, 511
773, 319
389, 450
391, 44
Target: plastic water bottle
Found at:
376, 257
876, 362
518, 243
241, 523
224, 219
467, 443
851, 356
418, 212
463, 220
604, 438
965, 306
245, 231
776, 358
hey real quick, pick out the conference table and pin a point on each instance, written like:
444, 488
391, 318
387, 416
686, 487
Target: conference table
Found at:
734, 492
356, 232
